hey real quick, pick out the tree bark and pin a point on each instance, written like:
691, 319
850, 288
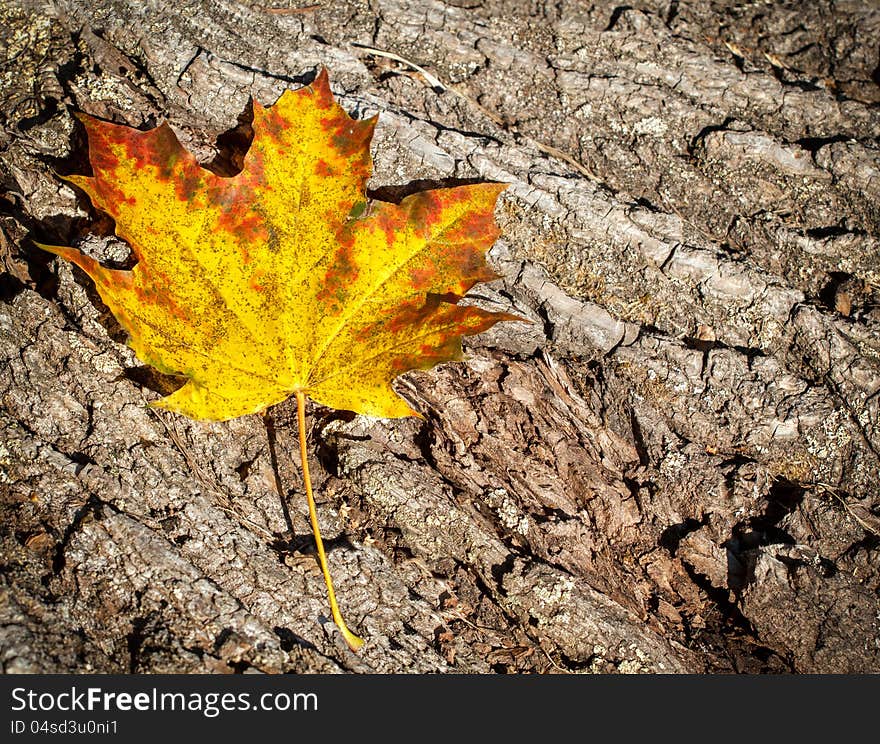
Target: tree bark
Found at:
673, 468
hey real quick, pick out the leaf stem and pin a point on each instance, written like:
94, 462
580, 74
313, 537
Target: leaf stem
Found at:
353, 641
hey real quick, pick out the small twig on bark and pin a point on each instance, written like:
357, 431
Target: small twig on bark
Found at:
436, 82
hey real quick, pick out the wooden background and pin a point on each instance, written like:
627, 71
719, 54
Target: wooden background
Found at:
674, 468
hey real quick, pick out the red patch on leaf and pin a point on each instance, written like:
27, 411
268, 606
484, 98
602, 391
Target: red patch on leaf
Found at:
323, 96
428, 208
252, 179
340, 276
188, 183
422, 277
158, 148
254, 281
102, 158
112, 195
386, 221
243, 225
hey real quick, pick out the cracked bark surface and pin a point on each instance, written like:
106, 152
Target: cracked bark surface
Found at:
674, 468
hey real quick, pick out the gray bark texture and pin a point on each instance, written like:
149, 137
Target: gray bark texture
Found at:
673, 468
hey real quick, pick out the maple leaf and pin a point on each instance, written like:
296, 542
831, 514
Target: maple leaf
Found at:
283, 280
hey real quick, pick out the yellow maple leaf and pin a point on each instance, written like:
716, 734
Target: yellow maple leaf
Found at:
283, 280
279, 280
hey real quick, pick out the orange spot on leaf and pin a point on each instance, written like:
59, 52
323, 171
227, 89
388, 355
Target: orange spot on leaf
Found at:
255, 281
422, 277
